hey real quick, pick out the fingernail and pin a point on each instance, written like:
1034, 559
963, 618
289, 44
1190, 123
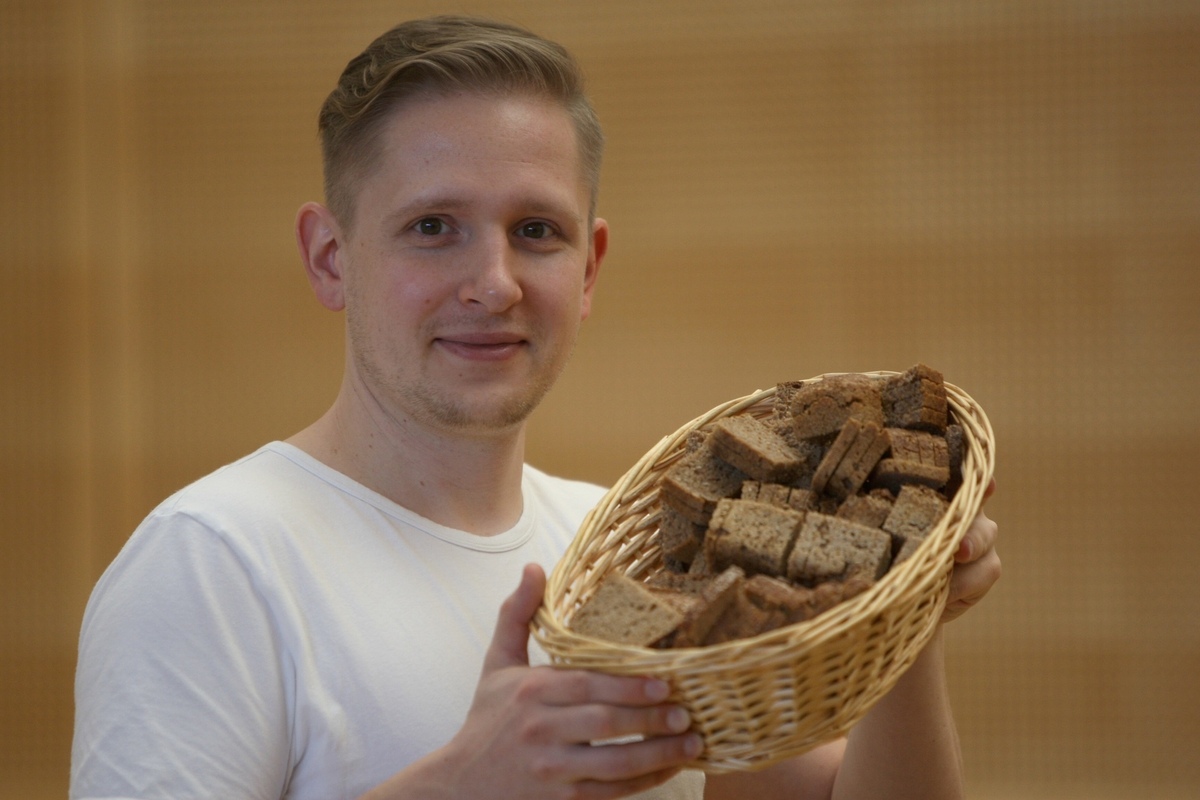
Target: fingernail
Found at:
678, 720
657, 690
964, 551
693, 746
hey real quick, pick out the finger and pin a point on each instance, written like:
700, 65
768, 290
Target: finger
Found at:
562, 687
978, 540
600, 723
969, 583
632, 760
510, 641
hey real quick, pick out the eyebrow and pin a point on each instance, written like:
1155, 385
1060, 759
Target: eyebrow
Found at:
436, 203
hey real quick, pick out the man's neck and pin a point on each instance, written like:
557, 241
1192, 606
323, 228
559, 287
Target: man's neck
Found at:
467, 482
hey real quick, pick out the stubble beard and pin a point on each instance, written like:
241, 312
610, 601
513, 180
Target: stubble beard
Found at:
442, 408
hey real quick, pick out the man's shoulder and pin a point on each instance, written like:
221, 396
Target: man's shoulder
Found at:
251, 481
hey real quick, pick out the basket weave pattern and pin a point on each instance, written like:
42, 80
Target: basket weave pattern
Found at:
757, 701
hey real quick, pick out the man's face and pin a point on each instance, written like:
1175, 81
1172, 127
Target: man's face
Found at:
471, 261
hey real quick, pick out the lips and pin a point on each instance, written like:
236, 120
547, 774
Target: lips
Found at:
481, 346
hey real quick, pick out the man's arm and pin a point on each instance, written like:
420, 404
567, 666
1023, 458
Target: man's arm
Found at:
529, 729
907, 745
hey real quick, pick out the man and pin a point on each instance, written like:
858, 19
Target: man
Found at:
331, 616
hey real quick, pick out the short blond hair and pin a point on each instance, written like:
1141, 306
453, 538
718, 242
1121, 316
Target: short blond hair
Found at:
442, 54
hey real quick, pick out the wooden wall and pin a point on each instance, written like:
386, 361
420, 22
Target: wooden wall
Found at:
1009, 191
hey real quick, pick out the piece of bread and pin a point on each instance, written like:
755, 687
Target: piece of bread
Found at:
821, 408
755, 449
795, 602
695, 483
678, 537
916, 399
752, 535
715, 597
850, 459
920, 446
743, 619
777, 494
625, 611
866, 509
954, 448
894, 474
828, 548
916, 511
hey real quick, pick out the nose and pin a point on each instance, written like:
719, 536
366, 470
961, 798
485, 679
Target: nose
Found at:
492, 280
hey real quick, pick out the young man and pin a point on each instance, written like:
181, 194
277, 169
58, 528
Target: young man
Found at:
331, 617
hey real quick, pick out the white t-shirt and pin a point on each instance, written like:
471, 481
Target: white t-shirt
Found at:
278, 630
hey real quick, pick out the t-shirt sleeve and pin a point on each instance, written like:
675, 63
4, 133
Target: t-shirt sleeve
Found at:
182, 685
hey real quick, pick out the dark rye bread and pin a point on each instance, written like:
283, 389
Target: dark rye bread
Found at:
954, 445
821, 408
626, 611
695, 483
867, 509
920, 446
828, 548
715, 596
799, 603
916, 399
917, 510
756, 449
678, 537
743, 619
777, 494
894, 474
916, 457
754, 536
850, 459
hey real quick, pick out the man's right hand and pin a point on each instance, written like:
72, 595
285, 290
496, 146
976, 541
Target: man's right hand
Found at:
529, 731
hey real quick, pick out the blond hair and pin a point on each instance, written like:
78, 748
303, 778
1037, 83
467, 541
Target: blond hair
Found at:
443, 54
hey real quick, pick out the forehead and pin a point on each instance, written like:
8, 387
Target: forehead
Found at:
471, 143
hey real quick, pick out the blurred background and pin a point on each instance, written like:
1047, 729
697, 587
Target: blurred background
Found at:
1008, 191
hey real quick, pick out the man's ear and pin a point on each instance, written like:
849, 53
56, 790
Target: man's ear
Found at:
596, 252
319, 238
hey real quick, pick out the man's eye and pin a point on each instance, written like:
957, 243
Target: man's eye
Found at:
536, 230
430, 226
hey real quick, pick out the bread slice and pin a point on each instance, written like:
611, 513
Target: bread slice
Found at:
866, 509
917, 510
754, 536
821, 408
715, 597
916, 399
755, 449
920, 446
777, 494
625, 611
894, 474
828, 548
678, 537
695, 483
850, 459
743, 619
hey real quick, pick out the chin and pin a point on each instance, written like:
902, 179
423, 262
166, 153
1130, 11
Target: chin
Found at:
483, 416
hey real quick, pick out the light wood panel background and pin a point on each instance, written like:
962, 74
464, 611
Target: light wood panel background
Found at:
1009, 191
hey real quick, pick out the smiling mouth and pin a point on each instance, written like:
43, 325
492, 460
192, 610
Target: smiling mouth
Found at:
482, 347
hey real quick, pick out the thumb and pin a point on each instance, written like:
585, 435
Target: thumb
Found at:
510, 642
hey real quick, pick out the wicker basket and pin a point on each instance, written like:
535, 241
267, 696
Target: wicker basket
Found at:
756, 701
